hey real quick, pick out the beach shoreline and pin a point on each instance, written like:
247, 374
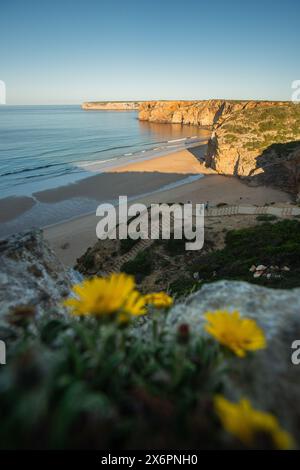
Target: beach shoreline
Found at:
70, 239
100, 184
177, 176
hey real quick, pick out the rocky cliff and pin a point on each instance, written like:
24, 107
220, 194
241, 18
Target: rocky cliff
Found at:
110, 105
256, 140
206, 113
260, 144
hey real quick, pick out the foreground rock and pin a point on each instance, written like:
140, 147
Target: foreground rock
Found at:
267, 377
261, 145
31, 276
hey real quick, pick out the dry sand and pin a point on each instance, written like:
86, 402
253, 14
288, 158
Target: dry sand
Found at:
70, 239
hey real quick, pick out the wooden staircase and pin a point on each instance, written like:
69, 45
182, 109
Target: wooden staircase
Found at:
139, 246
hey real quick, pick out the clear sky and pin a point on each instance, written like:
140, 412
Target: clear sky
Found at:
69, 51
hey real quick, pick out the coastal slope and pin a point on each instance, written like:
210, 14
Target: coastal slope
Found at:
262, 145
205, 113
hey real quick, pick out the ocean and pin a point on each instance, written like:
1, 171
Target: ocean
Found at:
42, 147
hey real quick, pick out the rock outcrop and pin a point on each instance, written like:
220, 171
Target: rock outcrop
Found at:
206, 113
32, 279
111, 105
262, 144
267, 377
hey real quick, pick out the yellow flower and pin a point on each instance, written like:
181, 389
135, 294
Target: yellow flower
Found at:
246, 423
159, 300
115, 294
238, 334
135, 305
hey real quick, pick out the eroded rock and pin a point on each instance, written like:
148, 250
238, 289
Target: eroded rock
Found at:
204, 113
260, 144
31, 275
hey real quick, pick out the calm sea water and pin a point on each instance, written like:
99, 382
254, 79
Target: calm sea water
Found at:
47, 146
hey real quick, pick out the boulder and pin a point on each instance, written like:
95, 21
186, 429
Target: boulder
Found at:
267, 377
31, 275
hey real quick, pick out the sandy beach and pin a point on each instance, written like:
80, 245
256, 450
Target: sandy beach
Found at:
180, 176
70, 239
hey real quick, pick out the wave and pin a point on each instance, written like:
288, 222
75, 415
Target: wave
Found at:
96, 162
25, 170
167, 144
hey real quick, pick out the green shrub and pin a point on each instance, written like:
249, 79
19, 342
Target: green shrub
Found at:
183, 286
142, 264
88, 261
268, 243
175, 247
266, 217
127, 244
94, 386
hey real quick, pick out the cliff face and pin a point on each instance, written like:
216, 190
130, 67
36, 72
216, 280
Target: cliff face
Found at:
200, 113
111, 105
257, 140
260, 144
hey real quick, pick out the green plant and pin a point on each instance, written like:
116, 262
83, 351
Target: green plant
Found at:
127, 244
267, 243
266, 217
98, 386
174, 246
183, 286
141, 264
88, 260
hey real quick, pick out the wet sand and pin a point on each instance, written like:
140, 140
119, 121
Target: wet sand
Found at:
12, 207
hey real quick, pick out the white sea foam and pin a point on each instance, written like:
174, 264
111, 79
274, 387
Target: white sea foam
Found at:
91, 163
178, 140
127, 158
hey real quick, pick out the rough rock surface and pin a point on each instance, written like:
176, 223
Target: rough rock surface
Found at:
206, 113
262, 144
111, 105
31, 276
267, 377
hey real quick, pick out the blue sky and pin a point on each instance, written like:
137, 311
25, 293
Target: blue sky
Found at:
68, 51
